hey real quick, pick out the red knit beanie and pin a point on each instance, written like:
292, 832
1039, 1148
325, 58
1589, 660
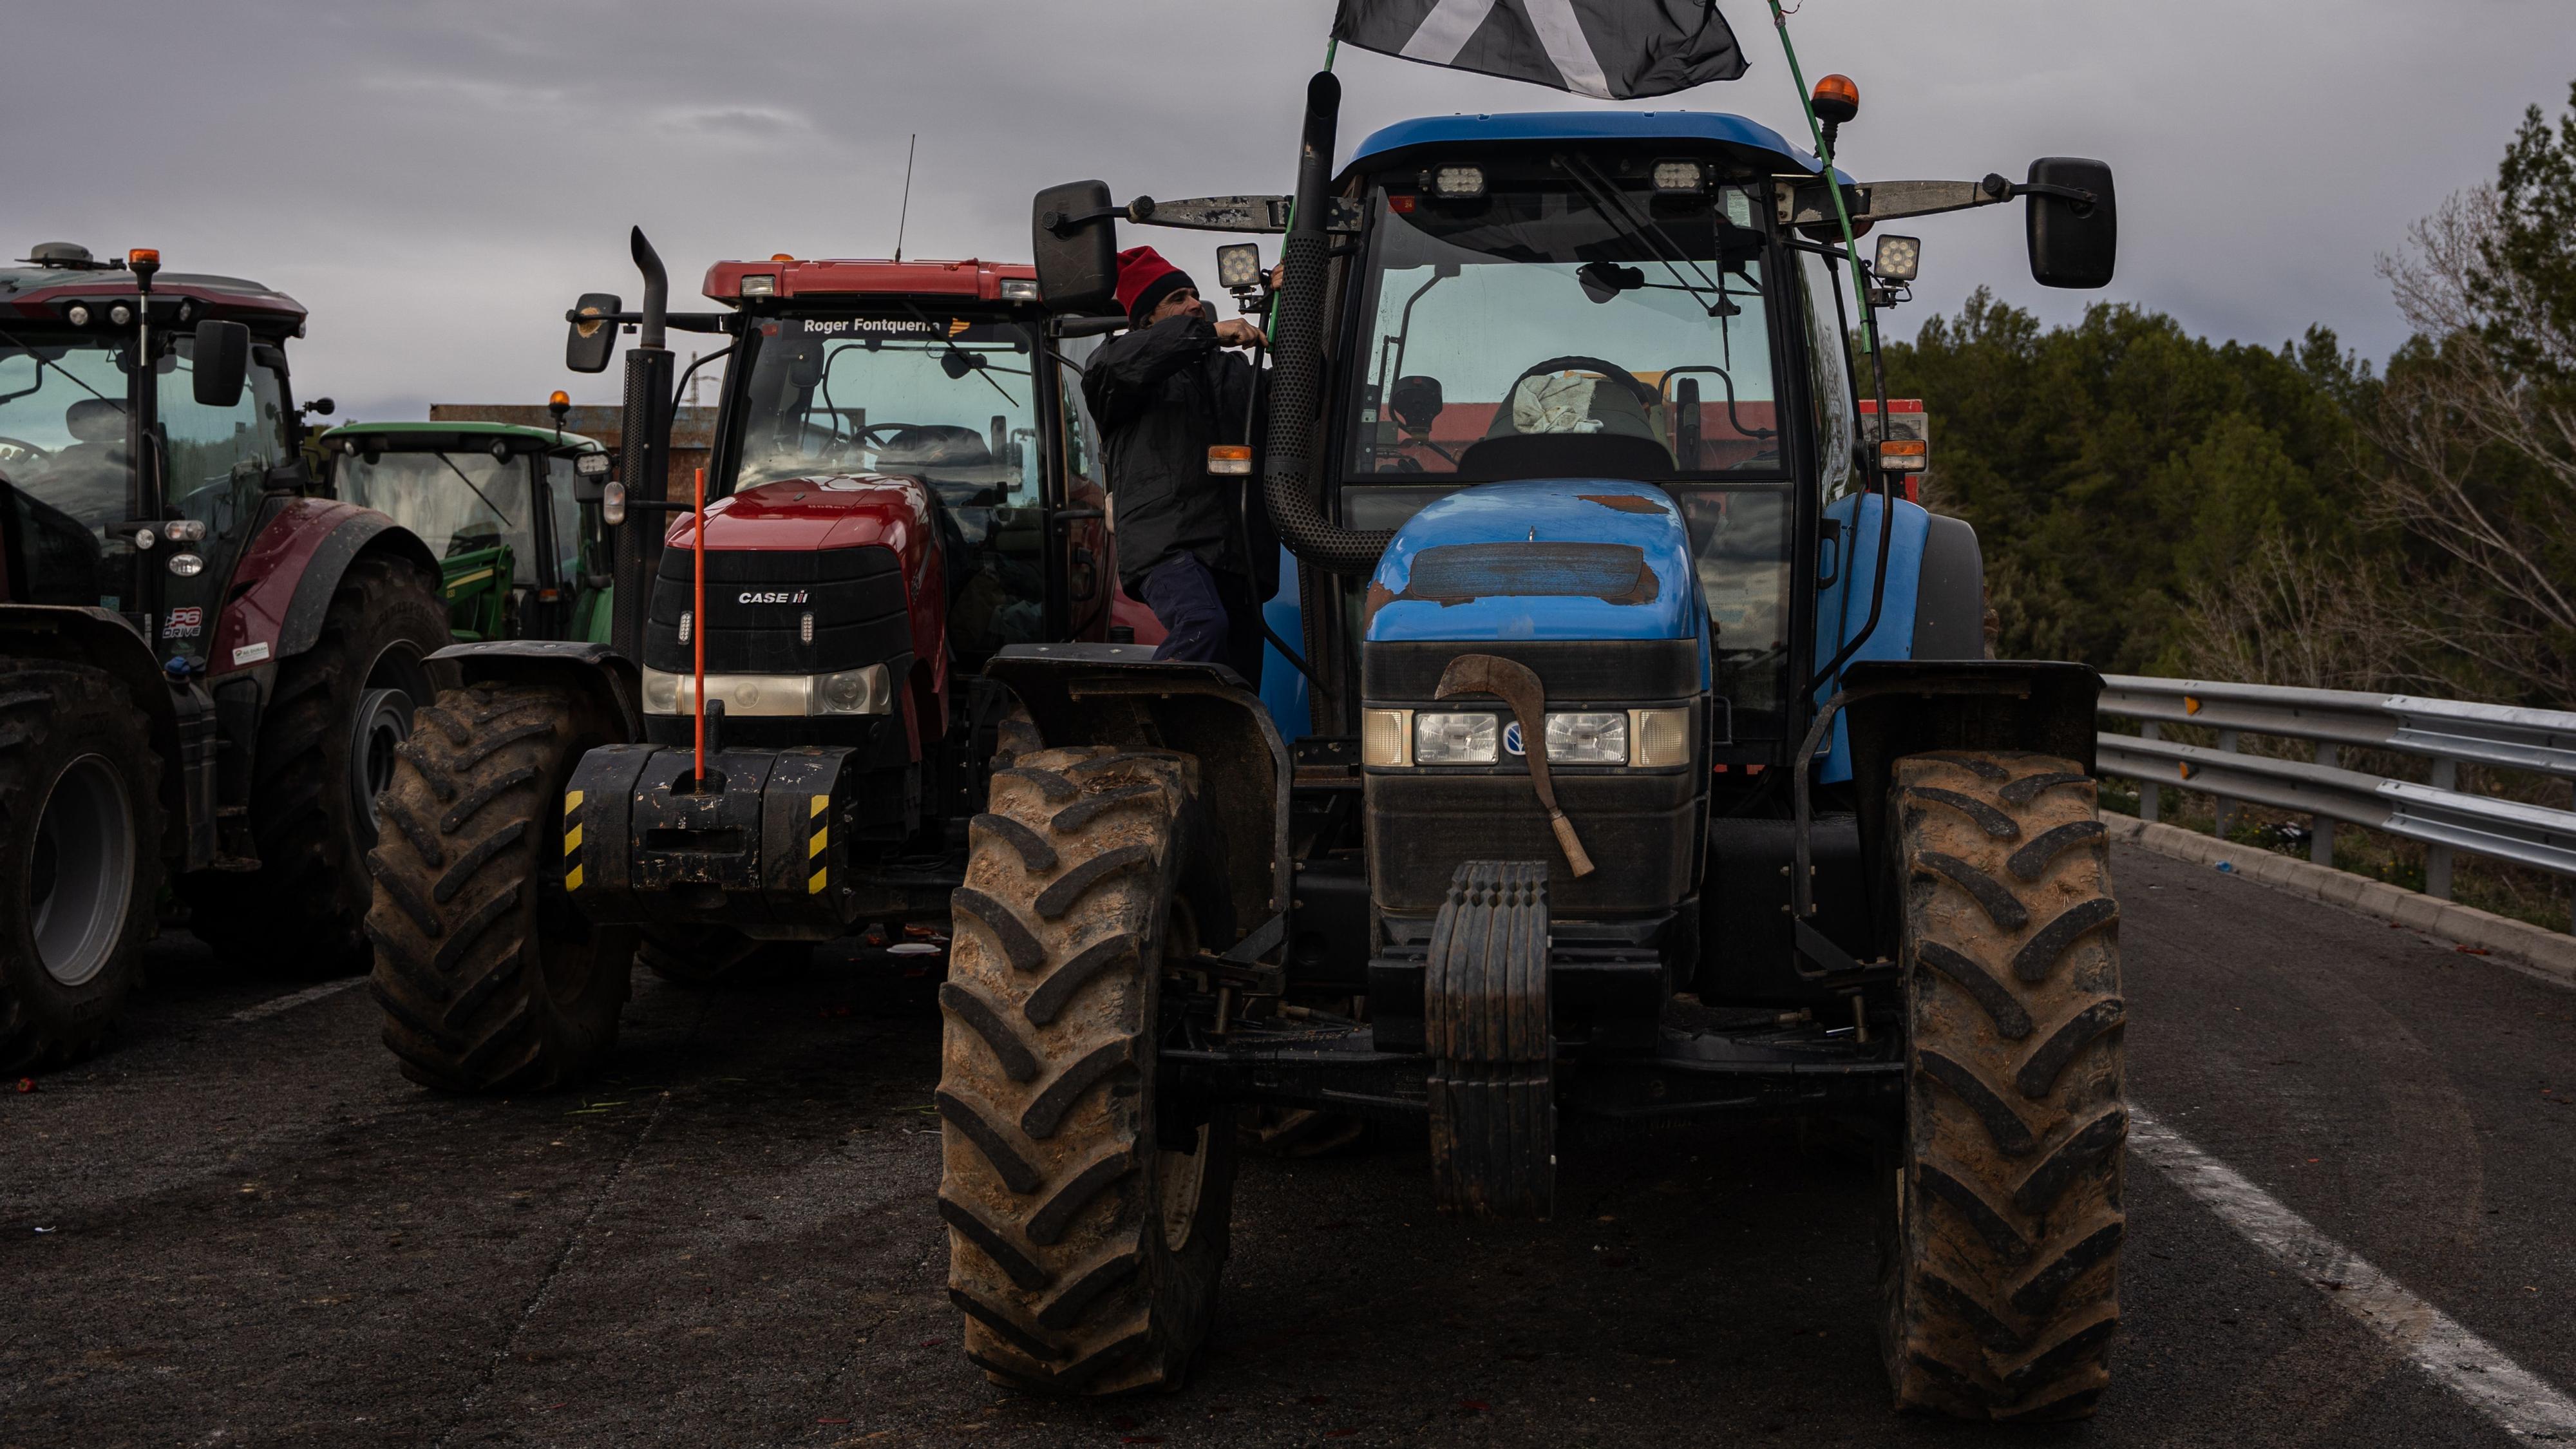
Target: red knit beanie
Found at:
1145, 279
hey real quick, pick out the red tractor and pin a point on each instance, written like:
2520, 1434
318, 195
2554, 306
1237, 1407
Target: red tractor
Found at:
902, 485
205, 663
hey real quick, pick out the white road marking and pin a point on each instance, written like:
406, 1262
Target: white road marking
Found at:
292, 1000
2519, 1401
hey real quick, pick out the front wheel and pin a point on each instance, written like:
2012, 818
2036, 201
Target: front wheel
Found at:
490, 977
2002, 1273
80, 858
1085, 1237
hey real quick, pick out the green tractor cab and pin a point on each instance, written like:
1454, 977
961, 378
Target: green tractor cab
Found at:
509, 510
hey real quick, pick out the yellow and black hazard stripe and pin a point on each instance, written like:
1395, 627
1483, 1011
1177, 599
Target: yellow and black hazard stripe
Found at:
814, 848
572, 840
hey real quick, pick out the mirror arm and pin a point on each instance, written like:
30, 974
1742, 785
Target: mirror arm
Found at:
676, 321
1262, 214
1809, 205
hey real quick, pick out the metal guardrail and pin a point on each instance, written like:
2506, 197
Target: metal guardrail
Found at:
2448, 732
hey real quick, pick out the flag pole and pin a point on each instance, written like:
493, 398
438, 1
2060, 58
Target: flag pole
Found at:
1825, 155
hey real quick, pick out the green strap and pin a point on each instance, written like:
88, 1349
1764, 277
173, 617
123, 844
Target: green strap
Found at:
1816, 130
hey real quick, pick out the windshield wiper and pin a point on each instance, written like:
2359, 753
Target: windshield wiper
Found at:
1615, 210
479, 493
43, 362
961, 352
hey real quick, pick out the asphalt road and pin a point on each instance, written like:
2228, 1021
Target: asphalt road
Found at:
252, 1231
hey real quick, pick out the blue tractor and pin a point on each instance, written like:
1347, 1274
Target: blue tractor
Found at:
1652, 769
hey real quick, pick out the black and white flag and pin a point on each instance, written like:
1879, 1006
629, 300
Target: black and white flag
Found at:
1615, 49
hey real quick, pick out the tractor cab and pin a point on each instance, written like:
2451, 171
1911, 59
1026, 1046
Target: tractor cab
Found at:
855, 384
512, 512
146, 430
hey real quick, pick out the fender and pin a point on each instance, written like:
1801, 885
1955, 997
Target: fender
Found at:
181, 721
1120, 694
288, 575
1894, 708
609, 678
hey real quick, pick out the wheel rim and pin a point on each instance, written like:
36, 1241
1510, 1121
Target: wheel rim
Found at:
81, 878
383, 722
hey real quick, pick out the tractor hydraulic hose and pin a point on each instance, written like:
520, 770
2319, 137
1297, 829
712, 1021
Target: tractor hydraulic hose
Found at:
1289, 485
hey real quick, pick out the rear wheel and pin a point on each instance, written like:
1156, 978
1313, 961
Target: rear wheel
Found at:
491, 979
80, 861
326, 746
2001, 1283
1083, 1251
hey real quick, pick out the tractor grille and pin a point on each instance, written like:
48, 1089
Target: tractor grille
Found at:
856, 596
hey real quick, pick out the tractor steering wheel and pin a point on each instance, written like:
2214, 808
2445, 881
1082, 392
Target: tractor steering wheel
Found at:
1646, 396
19, 450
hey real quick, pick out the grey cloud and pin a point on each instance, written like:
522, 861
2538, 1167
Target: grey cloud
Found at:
437, 180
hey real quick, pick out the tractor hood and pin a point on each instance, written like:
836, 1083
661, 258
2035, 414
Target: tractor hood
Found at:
1561, 559
806, 515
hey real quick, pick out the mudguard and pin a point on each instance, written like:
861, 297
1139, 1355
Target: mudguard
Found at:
1895, 708
290, 572
1119, 694
610, 677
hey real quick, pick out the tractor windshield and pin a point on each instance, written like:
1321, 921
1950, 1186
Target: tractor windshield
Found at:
63, 458
946, 401
1585, 322
461, 502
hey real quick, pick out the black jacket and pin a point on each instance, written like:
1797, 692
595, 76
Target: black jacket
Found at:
1162, 396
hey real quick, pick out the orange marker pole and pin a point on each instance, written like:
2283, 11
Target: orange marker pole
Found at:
698, 620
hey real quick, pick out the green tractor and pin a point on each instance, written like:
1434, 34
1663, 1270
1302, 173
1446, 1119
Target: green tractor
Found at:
511, 511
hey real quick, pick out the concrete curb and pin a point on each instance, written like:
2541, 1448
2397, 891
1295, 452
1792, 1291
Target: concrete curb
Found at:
2519, 943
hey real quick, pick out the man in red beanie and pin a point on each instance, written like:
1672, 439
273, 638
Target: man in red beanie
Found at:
1193, 547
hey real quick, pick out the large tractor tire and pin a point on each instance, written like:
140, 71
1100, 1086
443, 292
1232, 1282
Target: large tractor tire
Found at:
490, 977
2001, 1282
701, 956
326, 746
80, 858
1083, 1251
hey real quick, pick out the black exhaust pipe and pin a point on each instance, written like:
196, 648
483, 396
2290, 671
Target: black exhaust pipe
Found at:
644, 463
1288, 481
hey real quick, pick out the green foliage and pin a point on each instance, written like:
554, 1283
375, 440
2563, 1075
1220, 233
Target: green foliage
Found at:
2526, 280
2111, 466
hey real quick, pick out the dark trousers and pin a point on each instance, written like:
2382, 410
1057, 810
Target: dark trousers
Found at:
1211, 616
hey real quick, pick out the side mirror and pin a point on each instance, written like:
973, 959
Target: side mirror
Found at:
2073, 242
1076, 246
221, 363
593, 338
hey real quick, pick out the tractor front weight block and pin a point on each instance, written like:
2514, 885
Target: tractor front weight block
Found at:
759, 845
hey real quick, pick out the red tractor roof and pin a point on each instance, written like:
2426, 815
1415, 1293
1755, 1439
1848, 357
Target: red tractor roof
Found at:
971, 279
44, 292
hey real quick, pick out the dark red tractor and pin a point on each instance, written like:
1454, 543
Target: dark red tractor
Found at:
902, 487
206, 664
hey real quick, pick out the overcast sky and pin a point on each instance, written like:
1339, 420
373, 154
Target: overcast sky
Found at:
437, 180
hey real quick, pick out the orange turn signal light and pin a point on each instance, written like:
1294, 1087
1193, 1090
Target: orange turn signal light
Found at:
1904, 455
1230, 460
1836, 99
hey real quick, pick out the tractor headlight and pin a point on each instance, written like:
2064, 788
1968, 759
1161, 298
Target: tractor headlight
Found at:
1456, 739
1680, 176
853, 691
661, 692
1659, 737
1588, 738
1458, 183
